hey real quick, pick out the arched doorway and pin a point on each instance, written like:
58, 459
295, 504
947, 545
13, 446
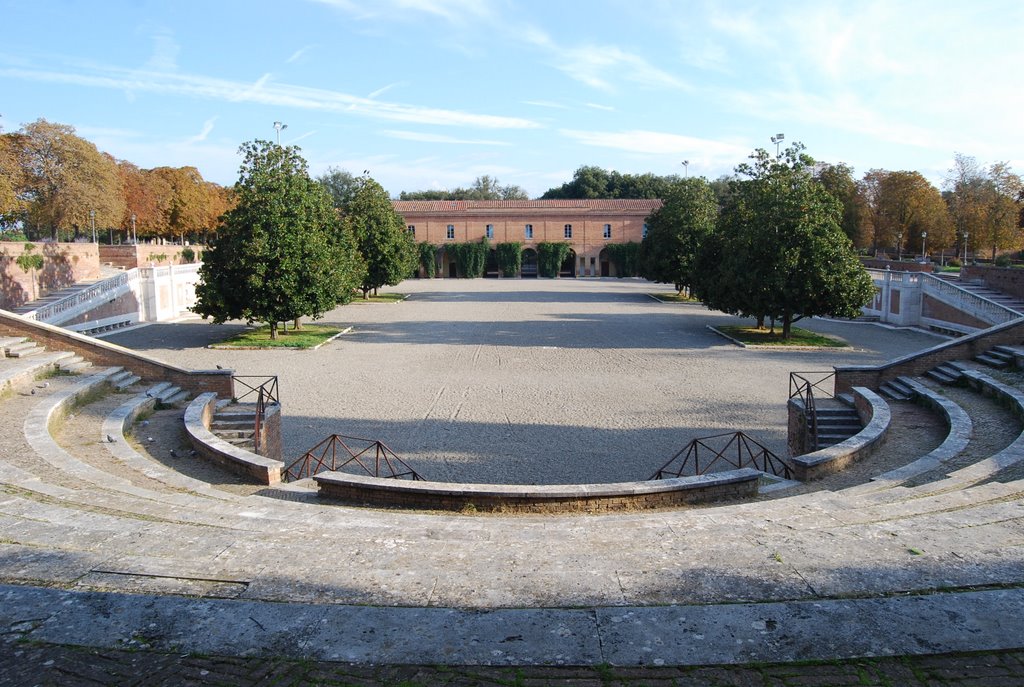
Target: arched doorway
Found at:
606, 263
491, 268
568, 267
529, 266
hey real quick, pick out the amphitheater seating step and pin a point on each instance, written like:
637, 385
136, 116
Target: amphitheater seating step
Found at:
6, 341
235, 425
73, 364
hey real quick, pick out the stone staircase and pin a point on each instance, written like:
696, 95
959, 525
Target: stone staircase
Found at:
979, 288
837, 421
55, 296
235, 423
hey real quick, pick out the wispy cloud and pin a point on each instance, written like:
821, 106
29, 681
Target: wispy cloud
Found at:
439, 138
546, 103
384, 89
455, 12
207, 128
264, 92
660, 143
165, 52
605, 108
299, 54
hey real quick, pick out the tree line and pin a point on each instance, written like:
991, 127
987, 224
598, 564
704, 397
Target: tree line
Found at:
56, 185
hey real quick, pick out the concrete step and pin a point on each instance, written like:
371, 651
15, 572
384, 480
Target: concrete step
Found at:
232, 423
176, 399
897, 390
123, 379
23, 349
946, 373
6, 341
73, 363
228, 434
996, 361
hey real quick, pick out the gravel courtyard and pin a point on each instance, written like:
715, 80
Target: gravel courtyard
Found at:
528, 381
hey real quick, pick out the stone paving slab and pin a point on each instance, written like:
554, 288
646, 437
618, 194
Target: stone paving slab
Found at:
651, 636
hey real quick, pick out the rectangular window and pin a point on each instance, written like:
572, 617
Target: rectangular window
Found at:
529, 231
568, 231
412, 230
450, 234
490, 231
607, 231
645, 230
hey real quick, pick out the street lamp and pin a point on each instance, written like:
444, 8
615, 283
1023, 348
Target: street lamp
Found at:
135, 238
924, 241
965, 247
899, 247
686, 168
278, 126
777, 139
92, 218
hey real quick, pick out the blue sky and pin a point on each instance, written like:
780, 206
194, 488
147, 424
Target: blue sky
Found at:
433, 93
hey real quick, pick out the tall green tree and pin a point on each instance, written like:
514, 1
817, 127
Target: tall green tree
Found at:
779, 251
484, 187
381, 237
675, 232
1000, 226
965, 197
903, 205
341, 184
594, 182
278, 255
838, 180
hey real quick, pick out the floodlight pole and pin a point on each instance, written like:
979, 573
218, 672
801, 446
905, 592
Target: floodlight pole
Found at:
277, 127
777, 139
686, 168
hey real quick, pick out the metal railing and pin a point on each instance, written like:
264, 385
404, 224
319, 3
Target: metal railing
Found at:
325, 457
968, 301
98, 291
266, 393
803, 385
740, 451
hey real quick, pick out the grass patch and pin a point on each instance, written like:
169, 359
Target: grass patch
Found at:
309, 336
752, 336
673, 298
381, 298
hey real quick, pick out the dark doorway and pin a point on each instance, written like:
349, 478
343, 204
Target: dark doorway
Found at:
529, 266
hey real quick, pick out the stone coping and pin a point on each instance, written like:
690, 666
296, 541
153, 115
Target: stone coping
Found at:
875, 413
198, 416
731, 484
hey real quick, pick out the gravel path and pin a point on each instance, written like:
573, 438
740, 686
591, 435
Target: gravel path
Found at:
528, 381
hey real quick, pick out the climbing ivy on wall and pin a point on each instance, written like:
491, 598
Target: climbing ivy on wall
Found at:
510, 258
470, 258
428, 258
550, 257
625, 257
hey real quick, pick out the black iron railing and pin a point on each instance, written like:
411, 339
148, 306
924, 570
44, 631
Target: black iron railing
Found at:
804, 385
732, 449
337, 452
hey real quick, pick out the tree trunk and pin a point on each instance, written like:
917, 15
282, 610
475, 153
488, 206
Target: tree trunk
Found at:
787, 326
366, 294
760, 321
273, 331
297, 324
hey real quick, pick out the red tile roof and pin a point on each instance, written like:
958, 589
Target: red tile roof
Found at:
442, 206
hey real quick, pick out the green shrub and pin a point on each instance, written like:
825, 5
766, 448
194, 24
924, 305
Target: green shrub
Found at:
187, 254
953, 262
510, 258
1004, 261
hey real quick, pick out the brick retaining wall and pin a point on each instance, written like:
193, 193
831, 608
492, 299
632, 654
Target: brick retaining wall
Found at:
1005, 279
65, 264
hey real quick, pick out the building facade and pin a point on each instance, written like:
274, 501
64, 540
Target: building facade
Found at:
588, 226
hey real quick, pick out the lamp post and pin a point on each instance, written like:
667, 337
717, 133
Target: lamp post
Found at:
135, 238
899, 247
924, 241
277, 127
777, 139
686, 168
965, 247
92, 218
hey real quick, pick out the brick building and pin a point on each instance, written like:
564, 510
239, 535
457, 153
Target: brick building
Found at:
589, 226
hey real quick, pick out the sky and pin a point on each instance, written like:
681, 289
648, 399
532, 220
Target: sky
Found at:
431, 94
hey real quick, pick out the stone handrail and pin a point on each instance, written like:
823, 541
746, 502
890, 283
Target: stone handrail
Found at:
874, 415
980, 307
97, 291
198, 416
